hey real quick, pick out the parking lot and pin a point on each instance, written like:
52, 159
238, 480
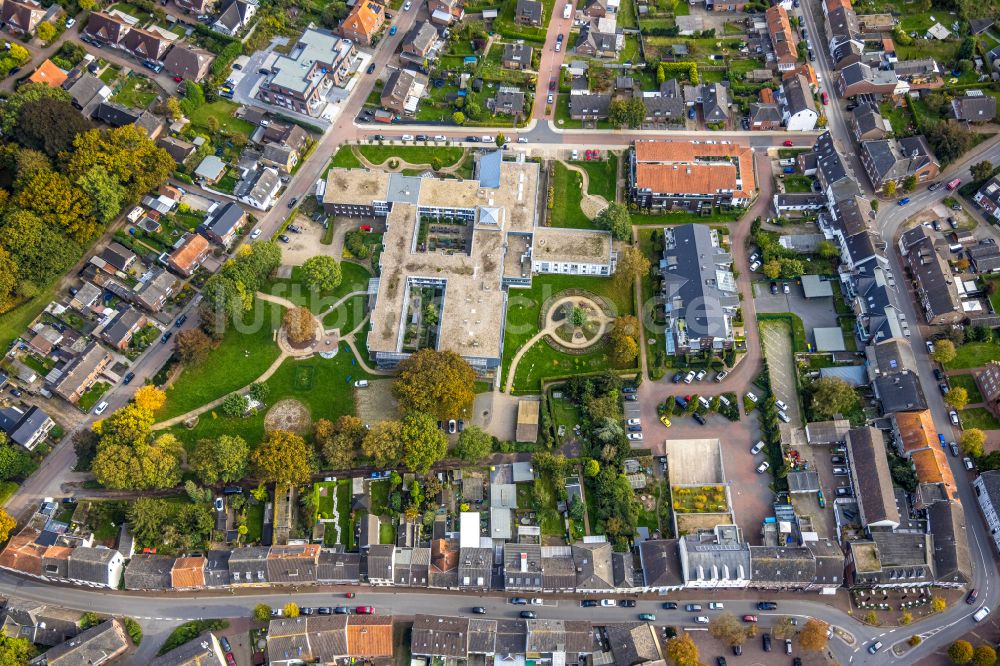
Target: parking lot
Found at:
753, 652
814, 312
777, 347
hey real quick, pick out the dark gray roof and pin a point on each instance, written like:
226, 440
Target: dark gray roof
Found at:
438, 636
880, 156
593, 566
570, 636
475, 566
41, 624
764, 113
589, 105
798, 97
934, 279
248, 565
320, 638
891, 356
912, 237
530, 8
222, 220
510, 100
519, 52
511, 637
115, 114
661, 566
217, 568
482, 636
526, 575
861, 247
991, 482
794, 566
424, 36
558, 573
122, 325
91, 564
868, 119
380, 561
119, 256
785, 199
900, 392
149, 572
668, 104
872, 480
197, 652
633, 643
291, 564
829, 562
715, 102
975, 108
335, 567
706, 561
623, 570
831, 170
410, 566
22, 426
96, 645
952, 563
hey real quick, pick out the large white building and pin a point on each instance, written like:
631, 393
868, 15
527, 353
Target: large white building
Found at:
987, 487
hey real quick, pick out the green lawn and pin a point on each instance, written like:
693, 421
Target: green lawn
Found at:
524, 305
565, 413
413, 154
344, 158
543, 361
92, 395
566, 210
602, 175
681, 217
222, 110
967, 382
109, 74
137, 92
325, 491
974, 355
354, 277
379, 492
979, 417
344, 505
386, 533
255, 522
347, 316
796, 183
14, 322
229, 366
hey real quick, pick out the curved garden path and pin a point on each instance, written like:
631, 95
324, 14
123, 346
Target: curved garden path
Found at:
590, 204
403, 164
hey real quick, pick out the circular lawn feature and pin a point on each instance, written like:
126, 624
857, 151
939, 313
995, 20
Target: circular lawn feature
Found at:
288, 414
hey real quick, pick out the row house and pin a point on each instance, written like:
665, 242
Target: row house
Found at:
896, 160
862, 79
784, 41
936, 288
798, 107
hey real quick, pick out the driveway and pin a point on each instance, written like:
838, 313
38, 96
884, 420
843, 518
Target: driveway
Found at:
777, 344
306, 244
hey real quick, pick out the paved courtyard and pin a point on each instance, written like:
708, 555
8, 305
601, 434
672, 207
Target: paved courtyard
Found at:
776, 339
814, 312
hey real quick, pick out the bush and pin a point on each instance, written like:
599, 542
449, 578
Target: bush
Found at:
134, 630
189, 631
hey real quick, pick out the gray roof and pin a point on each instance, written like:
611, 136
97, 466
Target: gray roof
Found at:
593, 566
715, 561
96, 645
831, 170
217, 568
803, 481
123, 325
872, 480
570, 636
991, 483
530, 8
291, 564
424, 36
668, 103
380, 561
975, 108
440, 636
410, 566
934, 279
197, 652
41, 624
633, 643
661, 566
91, 564
900, 392
589, 105
149, 572
952, 563
868, 119
509, 100
320, 638
623, 570
798, 97
518, 52
558, 570
827, 432
474, 567
248, 565
890, 356
764, 113
792, 566
511, 637
715, 102
84, 92
482, 636
223, 220
829, 562
22, 426
338, 567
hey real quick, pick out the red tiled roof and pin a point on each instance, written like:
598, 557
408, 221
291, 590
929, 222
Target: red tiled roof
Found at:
694, 168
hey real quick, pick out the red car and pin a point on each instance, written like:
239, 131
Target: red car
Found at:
365, 610
230, 659
349, 595
749, 618
178, 79
552, 84
788, 143
825, 98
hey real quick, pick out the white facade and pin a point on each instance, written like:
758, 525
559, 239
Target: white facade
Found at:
570, 268
802, 121
988, 508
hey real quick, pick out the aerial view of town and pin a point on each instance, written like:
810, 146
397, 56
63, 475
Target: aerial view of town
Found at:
499, 332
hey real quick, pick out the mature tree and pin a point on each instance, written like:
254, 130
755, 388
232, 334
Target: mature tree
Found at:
683, 651
146, 518
222, 459
291, 609
149, 398
45, 31
283, 458
15, 462
85, 447
592, 468
944, 351
41, 252
972, 442
322, 272
126, 153
104, 190
625, 340
791, 268
827, 249
192, 346
889, 188
300, 325
947, 140
474, 444
131, 425
501, 139
960, 652
458, 118
813, 637
262, 613
141, 466
633, 264
435, 382
957, 397
339, 440
728, 629
383, 443
618, 113
910, 182
423, 442
984, 655
58, 203
49, 125
173, 108
831, 396
8, 279
616, 219
772, 268
15, 651
982, 170
29, 92
7, 523
938, 604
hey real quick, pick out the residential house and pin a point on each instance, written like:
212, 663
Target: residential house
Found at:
86, 297
320, 639
95, 646
670, 175
402, 91
301, 81
596, 8
661, 565
714, 103
558, 569
41, 624
87, 93
410, 566
782, 567
798, 108
187, 61
588, 106
145, 44
593, 567
897, 159
867, 124
203, 651
223, 223
115, 114
446, 12
116, 258
444, 564
974, 107
987, 487
665, 107
119, 331
522, 567
952, 562
890, 560
96, 567
25, 427
634, 643
209, 170
292, 564
248, 565
600, 38
79, 374
988, 381
528, 12
765, 115
870, 476
200, 7
421, 45
509, 101
261, 190
189, 254
48, 74
698, 290
286, 134
440, 637
936, 287
984, 255
516, 56
22, 16
149, 572
988, 197
234, 16
108, 29
783, 38
475, 568
862, 79
338, 568
179, 149
716, 559
380, 563
363, 22
283, 158
559, 641
900, 392
914, 75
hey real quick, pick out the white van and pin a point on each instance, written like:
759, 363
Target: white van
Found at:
704, 401
757, 448
784, 417
724, 400
567, 10
981, 613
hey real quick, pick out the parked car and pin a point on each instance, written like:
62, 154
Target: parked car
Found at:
678, 376
371, 68
341, 610
953, 447
953, 416
519, 601
635, 436
970, 598
968, 464
284, 238
787, 143
700, 419
701, 619
825, 98
715, 605
590, 603
981, 613
166, 337
788, 641
840, 471
844, 491
647, 617
633, 429
452, 426
669, 605
693, 608
774, 288
751, 397
754, 266
627, 603
224, 642
722, 374
365, 610
938, 375
129, 376
763, 467
903, 201
70, 22
528, 615
255, 234
361, 383
749, 618
766, 642
757, 448
633, 422
767, 605
689, 377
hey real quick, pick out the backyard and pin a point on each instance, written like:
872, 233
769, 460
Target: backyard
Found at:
974, 355
968, 382
979, 417
137, 92
566, 211
222, 110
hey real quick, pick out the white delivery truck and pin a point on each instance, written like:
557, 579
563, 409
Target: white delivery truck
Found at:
567, 10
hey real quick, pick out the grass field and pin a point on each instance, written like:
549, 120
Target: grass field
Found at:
543, 361
222, 110
92, 395
354, 277
344, 158
413, 154
244, 354
979, 417
347, 316
974, 355
255, 522
602, 176
566, 210
137, 92
967, 382
795, 183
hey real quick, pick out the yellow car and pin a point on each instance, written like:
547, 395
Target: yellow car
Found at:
665, 421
